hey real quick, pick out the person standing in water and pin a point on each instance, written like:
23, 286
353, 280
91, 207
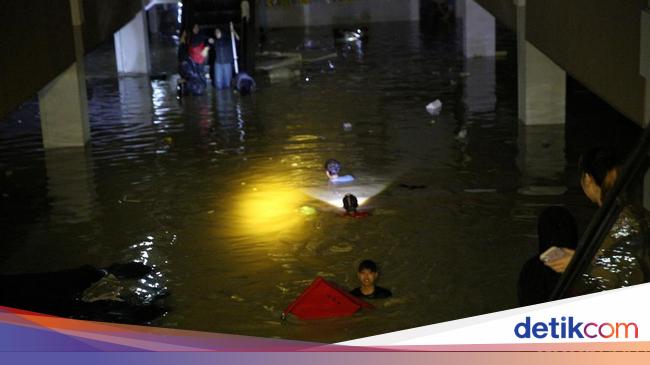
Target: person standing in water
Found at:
224, 59
368, 274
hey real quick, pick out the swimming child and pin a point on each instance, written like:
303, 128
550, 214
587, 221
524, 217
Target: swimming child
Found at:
332, 169
350, 204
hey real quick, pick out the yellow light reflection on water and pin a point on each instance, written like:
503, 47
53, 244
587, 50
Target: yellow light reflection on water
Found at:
266, 208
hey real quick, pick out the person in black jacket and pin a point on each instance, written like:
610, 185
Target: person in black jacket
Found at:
555, 227
223, 59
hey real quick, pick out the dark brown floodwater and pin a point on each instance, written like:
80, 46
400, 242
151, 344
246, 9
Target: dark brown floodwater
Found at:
216, 191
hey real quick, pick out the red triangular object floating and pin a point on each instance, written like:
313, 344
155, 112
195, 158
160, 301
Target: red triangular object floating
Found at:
323, 299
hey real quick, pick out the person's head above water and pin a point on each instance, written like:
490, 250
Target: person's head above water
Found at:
332, 168
350, 203
367, 273
599, 169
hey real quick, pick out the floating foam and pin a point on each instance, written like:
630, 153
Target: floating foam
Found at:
434, 107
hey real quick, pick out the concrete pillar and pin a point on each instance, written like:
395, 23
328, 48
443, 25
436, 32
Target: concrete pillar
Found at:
459, 8
542, 95
132, 47
262, 14
415, 10
541, 83
63, 102
153, 19
71, 185
306, 16
541, 160
480, 84
479, 30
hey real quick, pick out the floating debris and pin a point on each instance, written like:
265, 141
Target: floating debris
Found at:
125, 199
434, 107
107, 288
237, 298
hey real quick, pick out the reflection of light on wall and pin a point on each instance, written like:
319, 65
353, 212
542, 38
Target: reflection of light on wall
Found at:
267, 208
179, 19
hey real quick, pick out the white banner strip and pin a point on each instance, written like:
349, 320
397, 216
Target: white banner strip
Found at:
620, 315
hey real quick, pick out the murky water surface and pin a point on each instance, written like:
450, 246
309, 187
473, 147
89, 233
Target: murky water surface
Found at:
212, 190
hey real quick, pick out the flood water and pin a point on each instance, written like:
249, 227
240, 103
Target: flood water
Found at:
217, 191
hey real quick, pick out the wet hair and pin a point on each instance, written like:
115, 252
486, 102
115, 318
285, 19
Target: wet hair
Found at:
332, 166
556, 226
245, 87
350, 203
367, 265
597, 162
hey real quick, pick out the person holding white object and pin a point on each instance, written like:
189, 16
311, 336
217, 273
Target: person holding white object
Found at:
623, 258
555, 227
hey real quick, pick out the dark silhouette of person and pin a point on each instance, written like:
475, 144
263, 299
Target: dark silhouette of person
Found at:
555, 227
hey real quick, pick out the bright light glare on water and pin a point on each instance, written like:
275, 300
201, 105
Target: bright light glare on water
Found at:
266, 208
333, 194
